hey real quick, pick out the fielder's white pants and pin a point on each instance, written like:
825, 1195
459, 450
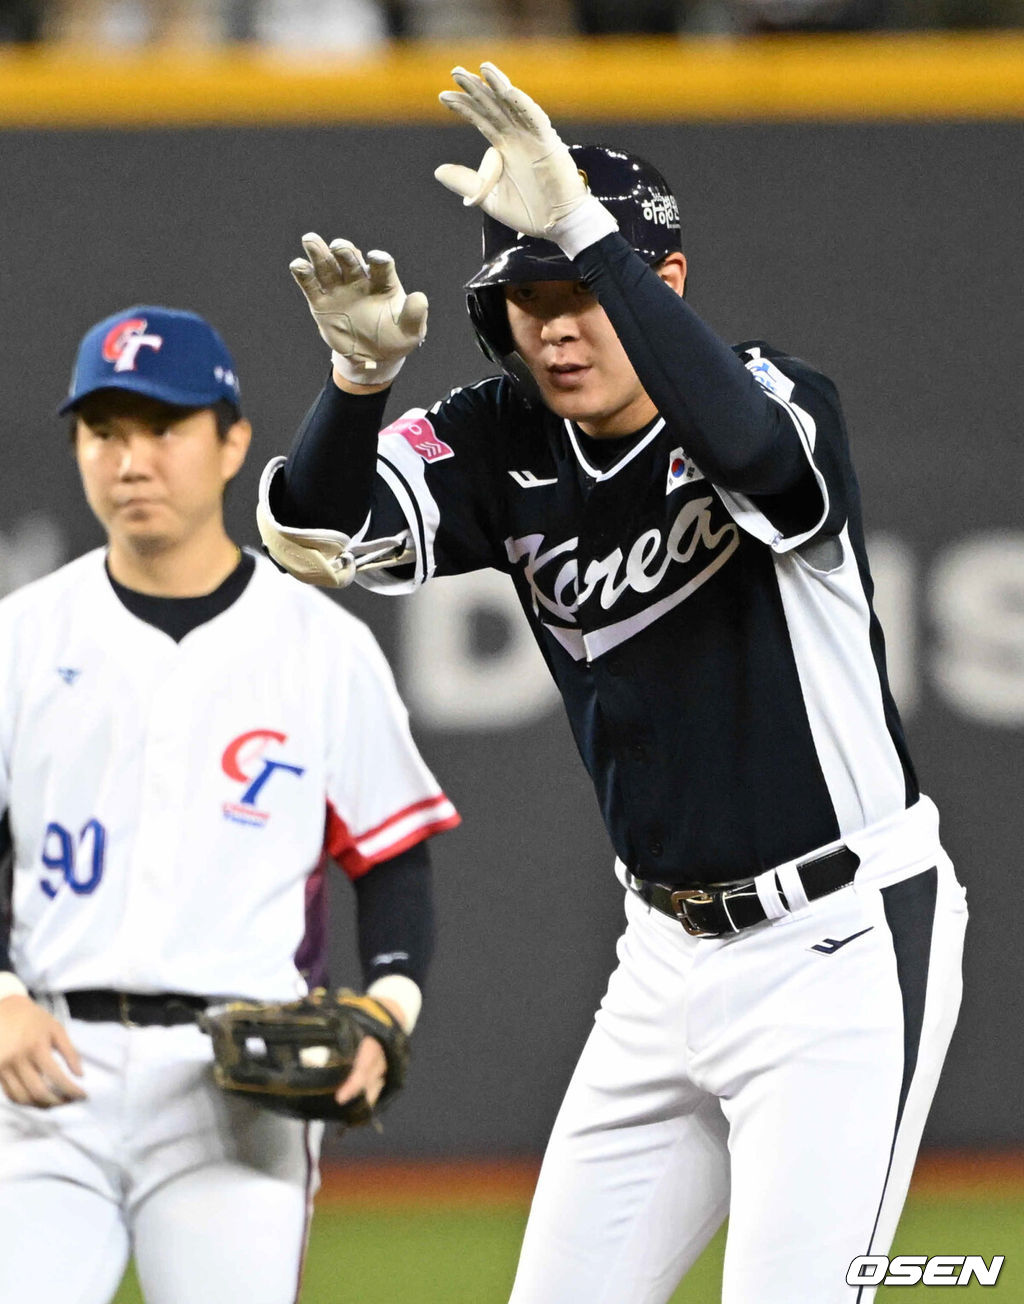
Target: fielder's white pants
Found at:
758, 1077
212, 1195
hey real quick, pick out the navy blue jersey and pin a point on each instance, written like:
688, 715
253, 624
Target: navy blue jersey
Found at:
699, 590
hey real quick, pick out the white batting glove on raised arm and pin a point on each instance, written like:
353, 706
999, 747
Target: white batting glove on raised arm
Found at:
360, 308
527, 179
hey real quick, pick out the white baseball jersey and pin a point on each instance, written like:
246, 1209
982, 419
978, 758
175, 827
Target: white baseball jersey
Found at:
170, 803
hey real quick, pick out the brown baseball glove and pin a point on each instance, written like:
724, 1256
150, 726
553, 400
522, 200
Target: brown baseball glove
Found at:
292, 1056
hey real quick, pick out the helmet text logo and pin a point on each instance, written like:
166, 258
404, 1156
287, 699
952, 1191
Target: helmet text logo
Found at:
662, 210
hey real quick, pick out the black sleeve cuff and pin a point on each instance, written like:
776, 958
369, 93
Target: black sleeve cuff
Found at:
395, 921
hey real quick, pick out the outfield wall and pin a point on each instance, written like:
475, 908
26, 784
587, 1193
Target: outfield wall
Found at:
875, 233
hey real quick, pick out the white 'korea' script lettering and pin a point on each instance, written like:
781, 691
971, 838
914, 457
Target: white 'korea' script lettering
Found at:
641, 570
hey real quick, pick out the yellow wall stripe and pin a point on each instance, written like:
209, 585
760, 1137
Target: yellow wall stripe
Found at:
787, 78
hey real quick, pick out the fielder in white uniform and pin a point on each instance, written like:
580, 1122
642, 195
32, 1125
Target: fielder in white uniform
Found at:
681, 522
186, 736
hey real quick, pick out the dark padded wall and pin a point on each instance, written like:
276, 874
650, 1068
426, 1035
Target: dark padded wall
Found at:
886, 254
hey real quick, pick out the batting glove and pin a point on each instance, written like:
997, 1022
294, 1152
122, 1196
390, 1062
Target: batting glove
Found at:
527, 179
360, 308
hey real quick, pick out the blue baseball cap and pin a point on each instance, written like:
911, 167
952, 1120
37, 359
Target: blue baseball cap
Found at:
164, 353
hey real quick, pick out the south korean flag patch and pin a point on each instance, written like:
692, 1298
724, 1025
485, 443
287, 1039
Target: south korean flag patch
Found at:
680, 471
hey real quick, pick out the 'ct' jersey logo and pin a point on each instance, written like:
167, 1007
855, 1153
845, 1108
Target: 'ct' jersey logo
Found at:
244, 761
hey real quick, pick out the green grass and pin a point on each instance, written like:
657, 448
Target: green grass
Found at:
444, 1256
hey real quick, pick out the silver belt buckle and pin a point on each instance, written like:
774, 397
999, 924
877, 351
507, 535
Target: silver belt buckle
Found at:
699, 897
122, 1009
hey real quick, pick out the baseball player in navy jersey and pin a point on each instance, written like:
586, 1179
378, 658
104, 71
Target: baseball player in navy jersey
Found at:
682, 525
185, 736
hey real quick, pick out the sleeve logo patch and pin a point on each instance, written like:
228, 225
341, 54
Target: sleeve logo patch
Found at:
419, 434
771, 378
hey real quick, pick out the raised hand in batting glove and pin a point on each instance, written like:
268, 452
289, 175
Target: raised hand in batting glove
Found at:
527, 179
360, 308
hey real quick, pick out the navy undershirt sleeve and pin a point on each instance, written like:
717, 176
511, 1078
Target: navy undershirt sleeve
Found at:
327, 481
395, 925
738, 436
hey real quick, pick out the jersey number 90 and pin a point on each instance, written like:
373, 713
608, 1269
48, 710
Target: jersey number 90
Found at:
79, 863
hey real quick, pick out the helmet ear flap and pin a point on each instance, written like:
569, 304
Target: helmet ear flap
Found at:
489, 316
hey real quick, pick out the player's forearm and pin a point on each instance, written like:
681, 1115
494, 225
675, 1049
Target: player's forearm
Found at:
327, 481
396, 916
737, 436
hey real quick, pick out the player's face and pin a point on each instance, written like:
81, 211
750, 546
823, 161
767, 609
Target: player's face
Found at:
154, 475
564, 336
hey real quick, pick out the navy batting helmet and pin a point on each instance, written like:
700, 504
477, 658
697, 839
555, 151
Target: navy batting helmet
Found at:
636, 195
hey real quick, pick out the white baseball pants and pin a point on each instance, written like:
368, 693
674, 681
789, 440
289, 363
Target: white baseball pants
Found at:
212, 1195
780, 1076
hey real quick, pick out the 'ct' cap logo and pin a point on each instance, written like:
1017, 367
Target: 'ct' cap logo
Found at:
166, 354
122, 343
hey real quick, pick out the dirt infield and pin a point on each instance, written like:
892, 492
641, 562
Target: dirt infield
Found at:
462, 1183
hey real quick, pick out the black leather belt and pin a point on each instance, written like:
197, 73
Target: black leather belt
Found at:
135, 1009
715, 911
